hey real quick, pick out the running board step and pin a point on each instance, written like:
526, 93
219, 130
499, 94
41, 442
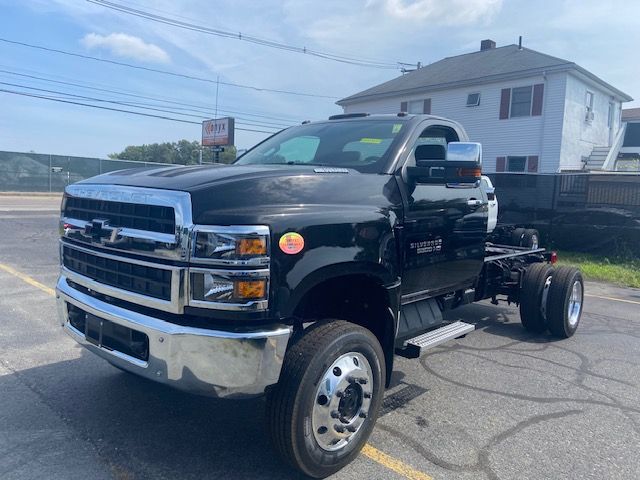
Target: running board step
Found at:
417, 345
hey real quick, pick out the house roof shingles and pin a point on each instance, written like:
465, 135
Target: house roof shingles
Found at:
485, 65
630, 114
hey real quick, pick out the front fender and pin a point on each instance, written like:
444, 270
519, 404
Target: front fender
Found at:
360, 243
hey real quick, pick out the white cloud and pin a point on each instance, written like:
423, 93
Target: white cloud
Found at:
123, 45
454, 12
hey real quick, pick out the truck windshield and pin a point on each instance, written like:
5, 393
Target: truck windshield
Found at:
362, 145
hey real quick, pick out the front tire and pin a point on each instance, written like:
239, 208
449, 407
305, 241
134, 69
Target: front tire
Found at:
323, 409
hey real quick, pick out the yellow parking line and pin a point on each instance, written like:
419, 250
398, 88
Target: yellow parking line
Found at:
368, 451
393, 464
612, 298
27, 279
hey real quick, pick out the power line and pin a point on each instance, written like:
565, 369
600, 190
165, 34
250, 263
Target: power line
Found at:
44, 97
353, 60
200, 108
130, 104
163, 72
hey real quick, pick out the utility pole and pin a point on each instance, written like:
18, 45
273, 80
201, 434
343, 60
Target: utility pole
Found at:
217, 149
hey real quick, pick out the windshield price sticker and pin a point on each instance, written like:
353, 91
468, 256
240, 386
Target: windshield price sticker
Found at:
291, 243
371, 140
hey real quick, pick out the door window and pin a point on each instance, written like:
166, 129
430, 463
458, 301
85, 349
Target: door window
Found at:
433, 135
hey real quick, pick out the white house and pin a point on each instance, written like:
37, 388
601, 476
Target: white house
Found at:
531, 111
629, 155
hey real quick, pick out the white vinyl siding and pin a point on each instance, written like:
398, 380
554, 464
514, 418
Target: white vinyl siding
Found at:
517, 136
580, 136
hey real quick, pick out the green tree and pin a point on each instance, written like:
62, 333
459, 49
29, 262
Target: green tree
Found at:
182, 152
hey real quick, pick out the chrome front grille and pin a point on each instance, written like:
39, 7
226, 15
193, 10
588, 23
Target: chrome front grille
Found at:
151, 218
143, 221
142, 279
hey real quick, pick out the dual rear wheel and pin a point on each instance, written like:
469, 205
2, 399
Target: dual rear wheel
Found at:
551, 298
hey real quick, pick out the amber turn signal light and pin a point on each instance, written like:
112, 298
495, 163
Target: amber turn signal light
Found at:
251, 246
250, 289
470, 172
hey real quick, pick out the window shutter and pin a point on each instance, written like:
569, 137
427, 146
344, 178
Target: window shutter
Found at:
403, 106
426, 108
532, 163
538, 91
501, 163
505, 98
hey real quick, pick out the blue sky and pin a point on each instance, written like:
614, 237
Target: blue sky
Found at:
603, 37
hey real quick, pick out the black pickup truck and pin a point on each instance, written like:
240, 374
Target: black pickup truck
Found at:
298, 272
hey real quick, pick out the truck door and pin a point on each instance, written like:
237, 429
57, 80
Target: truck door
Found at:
444, 227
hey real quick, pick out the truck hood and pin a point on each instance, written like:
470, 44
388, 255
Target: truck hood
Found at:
192, 178
221, 192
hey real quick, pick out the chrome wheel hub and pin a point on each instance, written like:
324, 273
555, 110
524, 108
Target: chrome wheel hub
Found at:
575, 304
342, 401
535, 243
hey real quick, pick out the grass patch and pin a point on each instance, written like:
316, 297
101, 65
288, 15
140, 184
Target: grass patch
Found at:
615, 269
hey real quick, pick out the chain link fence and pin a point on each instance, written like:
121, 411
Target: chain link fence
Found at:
41, 172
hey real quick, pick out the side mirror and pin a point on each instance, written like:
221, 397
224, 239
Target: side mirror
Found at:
460, 163
468, 152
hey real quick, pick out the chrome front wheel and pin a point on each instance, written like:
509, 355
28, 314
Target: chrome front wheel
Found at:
325, 405
343, 399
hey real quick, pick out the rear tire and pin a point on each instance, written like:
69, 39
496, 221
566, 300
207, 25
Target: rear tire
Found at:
323, 409
530, 239
516, 236
566, 299
536, 279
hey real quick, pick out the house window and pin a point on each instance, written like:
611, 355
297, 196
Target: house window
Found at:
610, 114
415, 106
516, 164
588, 103
473, 99
521, 101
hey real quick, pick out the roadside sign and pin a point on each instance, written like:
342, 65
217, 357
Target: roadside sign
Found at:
217, 149
56, 169
219, 131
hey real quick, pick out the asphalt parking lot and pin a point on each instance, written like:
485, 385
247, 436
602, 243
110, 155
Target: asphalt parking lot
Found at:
498, 404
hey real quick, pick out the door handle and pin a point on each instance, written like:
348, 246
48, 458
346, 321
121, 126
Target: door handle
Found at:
472, 202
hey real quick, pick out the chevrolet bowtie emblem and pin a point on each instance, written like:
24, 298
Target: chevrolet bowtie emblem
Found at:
98, 229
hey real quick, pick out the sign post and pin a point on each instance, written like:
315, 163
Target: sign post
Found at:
218, 133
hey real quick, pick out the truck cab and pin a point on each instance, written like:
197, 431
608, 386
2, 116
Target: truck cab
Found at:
298, 272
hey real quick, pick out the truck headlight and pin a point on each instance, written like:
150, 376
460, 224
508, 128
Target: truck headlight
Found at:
233, 287
242, 245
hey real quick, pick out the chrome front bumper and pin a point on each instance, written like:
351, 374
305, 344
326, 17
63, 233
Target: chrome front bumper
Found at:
211, 362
